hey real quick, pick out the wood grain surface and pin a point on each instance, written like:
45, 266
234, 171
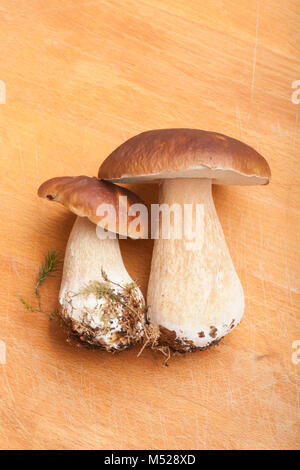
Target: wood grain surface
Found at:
80, 78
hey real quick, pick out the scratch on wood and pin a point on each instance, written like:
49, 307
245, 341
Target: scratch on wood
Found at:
255, 50
239, 120
22, 162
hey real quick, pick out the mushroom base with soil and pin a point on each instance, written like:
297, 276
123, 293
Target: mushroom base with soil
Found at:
98, 300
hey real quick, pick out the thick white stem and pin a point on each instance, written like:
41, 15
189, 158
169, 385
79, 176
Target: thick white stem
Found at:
194, 293
90, 317
86, 254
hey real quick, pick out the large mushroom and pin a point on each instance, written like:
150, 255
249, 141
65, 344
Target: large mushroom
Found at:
194, 293
98, 299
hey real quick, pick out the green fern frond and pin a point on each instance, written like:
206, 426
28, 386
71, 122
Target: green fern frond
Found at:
48, 269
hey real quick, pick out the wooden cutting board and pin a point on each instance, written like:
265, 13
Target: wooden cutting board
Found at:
80, 78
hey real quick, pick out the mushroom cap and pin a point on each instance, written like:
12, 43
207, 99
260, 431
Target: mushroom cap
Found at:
82, 195
185, 153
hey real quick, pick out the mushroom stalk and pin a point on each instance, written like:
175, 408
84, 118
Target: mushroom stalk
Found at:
194, 293
97, 319
86, 254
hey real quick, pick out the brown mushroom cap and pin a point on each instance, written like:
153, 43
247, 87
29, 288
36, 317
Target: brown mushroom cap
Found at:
185, 153
83, 195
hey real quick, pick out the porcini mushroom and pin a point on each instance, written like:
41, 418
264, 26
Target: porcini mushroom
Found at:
194, 293
98, 300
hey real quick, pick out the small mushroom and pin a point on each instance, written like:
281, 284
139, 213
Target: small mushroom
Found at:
194, 293
98, 300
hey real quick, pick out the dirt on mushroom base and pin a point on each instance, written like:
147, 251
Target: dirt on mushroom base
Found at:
182, 345
134, 326
123, 318
114, 323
